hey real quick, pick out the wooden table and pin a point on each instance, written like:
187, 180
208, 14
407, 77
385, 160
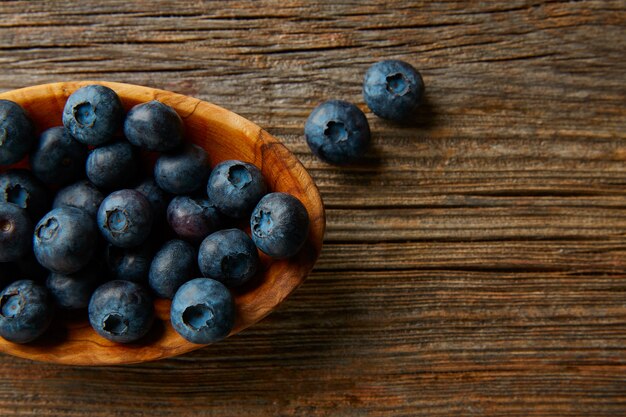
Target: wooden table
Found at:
474, 264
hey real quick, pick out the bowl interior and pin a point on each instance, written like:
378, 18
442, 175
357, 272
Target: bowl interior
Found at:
224, 135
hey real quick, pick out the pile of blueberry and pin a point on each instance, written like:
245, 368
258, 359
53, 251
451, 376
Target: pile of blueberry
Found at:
337, 131
83, 228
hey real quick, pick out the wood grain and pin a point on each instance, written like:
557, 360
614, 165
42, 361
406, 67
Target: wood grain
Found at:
474, 263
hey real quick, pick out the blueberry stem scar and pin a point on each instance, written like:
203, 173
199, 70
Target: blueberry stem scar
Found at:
198, 316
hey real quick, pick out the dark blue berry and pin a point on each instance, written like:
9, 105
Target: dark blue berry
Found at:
125, 218
93, 114
112, 166
121, 311
228, 256
58, 159
158, 198
172, 266
193, 219
26, 311
393, 89
20, 187
73, 291
154, 126
16, 231
203, 311
279, 225
17, 133
235, 187
131, 264
183, 172
337, 132
65, 240
82, 194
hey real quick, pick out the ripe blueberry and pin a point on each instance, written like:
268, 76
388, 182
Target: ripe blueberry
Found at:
279, 225
125, 218
183, 172
112, 166
82, 194
121, 311
203, 311
17, 133
193, 219
393, 89
235, 187
73, 291
25, 311
154, 126
228, 256
337, 132
172, 266
93, 114
58, 159
20, 187
16, 231
65, 240
131, 264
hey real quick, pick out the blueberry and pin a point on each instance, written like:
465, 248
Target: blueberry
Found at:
154, 126
112, 166
16, 231
393, 89
193, 219
58, 159
65, 240
17, 133
82, 194
235, 187
20, 187
228, 256
279, 225
131, 264
125, 218
121, 311
172, 266
203, 311
158, 198
26, 311
73, 291
337, 132
93, 114
183, 172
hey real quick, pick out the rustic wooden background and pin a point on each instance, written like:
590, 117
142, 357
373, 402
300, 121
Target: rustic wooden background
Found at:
475, 264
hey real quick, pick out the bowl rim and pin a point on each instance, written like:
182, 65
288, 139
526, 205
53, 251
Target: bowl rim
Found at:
93, 350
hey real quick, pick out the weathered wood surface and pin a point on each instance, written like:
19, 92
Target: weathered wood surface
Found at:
475, 264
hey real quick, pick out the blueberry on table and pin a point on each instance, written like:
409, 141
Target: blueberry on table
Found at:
16, 232
279, 225
93, 114
125, 218
154, 126
82, 194
158, 198
65, 240
121, 311
26, 311
393, 89
58, 159
228, 256
20, 187
193, 219
17, 133
235, 187
183, 172
337, 132
172, 266
203, 311
112, 166
129, 264
73, 291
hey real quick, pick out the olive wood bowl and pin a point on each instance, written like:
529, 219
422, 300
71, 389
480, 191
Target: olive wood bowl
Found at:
224, 135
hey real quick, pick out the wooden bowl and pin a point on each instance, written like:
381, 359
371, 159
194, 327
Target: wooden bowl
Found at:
224, 135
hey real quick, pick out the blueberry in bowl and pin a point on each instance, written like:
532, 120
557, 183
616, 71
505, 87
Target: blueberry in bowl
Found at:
224, 136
